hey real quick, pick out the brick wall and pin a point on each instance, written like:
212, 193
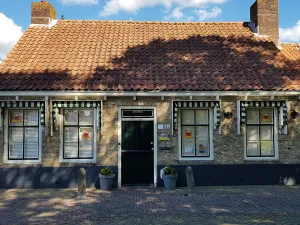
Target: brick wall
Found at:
228, 146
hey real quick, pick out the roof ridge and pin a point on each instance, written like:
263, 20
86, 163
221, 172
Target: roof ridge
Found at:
154, 22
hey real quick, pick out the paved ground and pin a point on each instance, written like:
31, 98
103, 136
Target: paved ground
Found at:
210, 205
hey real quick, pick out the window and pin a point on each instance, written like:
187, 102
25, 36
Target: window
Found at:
78, 134
23, 135
195, 132
261, 133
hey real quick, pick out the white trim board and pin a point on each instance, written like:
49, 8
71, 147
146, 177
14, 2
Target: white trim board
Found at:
120, 119
149, 94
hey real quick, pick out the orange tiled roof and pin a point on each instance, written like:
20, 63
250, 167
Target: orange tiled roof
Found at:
146, 56
291, 51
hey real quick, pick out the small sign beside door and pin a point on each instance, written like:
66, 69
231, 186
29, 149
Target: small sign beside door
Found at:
164, 126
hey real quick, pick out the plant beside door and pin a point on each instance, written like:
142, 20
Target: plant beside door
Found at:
170, 178
106, 178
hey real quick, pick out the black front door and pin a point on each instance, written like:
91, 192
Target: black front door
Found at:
137, 146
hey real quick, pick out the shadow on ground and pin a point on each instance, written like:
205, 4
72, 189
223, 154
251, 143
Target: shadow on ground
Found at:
208, 205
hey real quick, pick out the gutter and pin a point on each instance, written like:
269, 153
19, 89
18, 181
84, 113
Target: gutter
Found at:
146, 94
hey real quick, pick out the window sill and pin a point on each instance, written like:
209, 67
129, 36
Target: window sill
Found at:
196, 159
77, 161
22, 162
260, 159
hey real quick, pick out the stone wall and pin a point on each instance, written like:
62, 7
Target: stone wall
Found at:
228, 146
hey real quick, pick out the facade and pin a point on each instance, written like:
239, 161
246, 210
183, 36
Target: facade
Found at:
137, 96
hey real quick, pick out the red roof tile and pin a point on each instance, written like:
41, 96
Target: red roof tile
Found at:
146, 56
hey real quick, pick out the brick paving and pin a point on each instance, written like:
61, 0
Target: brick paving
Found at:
209, 205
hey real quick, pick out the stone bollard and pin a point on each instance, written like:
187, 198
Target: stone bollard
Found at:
190, 179
81, 183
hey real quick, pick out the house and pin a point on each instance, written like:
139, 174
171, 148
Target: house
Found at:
137, 96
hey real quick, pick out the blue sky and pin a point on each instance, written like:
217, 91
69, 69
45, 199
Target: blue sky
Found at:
15, 14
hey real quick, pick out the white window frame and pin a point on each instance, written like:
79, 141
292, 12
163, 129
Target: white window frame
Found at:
276, 152
61, 151
13, 161
211, 133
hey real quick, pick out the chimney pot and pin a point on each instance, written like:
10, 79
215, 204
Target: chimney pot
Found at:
264, 16
42, 13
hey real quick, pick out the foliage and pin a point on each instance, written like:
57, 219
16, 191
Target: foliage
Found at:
169, 170
106, 172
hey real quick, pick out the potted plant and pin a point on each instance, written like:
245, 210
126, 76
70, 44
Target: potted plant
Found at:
170, 177
106, 178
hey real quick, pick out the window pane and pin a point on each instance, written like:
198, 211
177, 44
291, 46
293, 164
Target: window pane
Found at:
16, 118
16, 135
71, 117
31, 150
202, 117
253, 149
31, 135
188, 133
86, 142
266, 133
71, 134
252, 133
71, 150
267, 148
31, 118
16, 143
187, 117
16, 150
202, 133
252, 116
86, 117
202, 148
266, 116
188, 148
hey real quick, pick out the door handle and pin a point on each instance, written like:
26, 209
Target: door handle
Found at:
152, 149
151, 143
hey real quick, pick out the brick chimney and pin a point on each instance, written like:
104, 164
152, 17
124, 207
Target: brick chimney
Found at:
264, 16
42, 13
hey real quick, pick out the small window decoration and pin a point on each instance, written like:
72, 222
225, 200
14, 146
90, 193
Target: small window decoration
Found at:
197, 104
228, 115
188, 134
202, 149
266, 117
18, 119
56, 105
294, 114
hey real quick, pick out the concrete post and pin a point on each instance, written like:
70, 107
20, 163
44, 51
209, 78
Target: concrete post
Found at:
190, 179
81, 183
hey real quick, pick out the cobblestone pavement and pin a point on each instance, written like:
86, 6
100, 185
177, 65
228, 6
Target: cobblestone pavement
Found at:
209, 205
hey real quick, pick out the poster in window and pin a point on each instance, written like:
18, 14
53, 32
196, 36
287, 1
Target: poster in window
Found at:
85, 136
188, 133
17, 118
202, 149
266, 116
